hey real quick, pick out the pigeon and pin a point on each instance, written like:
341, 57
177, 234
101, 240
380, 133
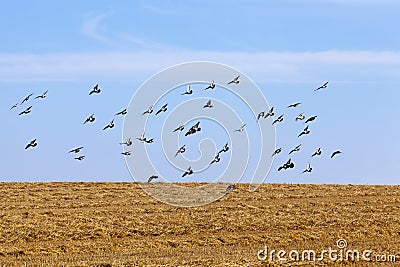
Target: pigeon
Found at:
304, 132
80, 158
300, 117
76, 150
26, 98
216, 159
325, 85
151, 178
308, 169
162, 109
142, 138
181, 150
128, 142
208, 104
310, 119
32, 143
189, 171
180, 128
109, 125
296, 149
126, 153
211, 86
148, 111
241, 129
96, 90
188, 91
14, 106
91, 118
235, 80
195, 128
224, 149
294, 105
43, 95
122, 112
279, 119
270, 113
288, 165
149, 141
26, 111
230, 188
336, 153
260, 115
276, 152
317, 153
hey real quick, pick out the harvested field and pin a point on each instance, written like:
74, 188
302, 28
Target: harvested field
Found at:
118, 224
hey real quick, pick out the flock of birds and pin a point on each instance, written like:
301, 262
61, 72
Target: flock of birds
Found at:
192, 130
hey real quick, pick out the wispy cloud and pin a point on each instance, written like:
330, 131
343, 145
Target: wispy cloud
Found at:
267, 66
92, 28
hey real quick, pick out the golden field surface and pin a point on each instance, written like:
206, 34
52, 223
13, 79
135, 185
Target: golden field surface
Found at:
119, 224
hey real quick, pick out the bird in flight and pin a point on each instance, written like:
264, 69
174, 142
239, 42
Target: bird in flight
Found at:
296, 149
80, 158
14, 106
279, 119
142, 137
235, 80
122, 112
189, 171
276, 152
151, 178
162, 109
294, 105
181, 150
337, 152
195, 128
310, 119
128, 142
95, 90
260, 115
216, 159
300, 117
241, 129
208, 104
91, 118
304, 132
76, 150
26, 111
180, 128
270, 113
149, 141
43, 95
211, 86
126, 153
317, 153
230, 188
188, 91
224, 149
109, 125
308, 169
26, 99
288, 165
148, 111
325, 85
32, 143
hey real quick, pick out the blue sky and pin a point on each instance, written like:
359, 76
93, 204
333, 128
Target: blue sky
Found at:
286, 47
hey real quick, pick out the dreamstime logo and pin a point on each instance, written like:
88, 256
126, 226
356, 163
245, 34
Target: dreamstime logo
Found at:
185, 118
342, 253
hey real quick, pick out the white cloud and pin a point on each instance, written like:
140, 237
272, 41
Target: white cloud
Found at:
93, 26
267, 66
